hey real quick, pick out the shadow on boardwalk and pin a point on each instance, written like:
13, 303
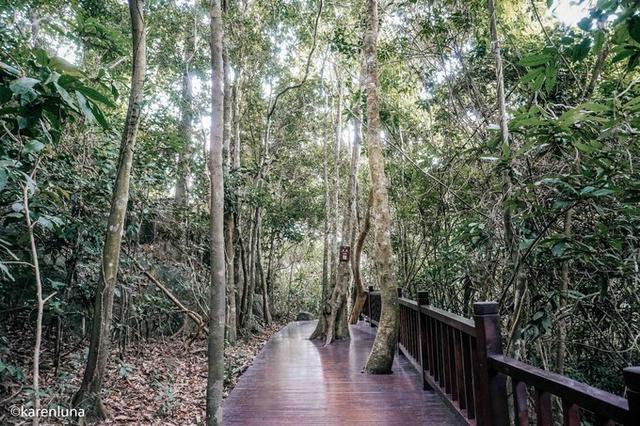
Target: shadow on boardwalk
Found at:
294, 381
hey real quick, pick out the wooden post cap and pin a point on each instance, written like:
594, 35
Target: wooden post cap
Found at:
485, 308
399, 289
370, 288
632, 378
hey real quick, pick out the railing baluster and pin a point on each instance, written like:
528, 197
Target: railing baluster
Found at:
416, 335
441, 372
460, 391
369, 305
468, 375
416, 338
544, 416
520, 406
401, 337
570, 414
423, 299
452, 364
445, 359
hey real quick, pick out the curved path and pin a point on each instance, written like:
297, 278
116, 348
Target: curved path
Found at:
294, 381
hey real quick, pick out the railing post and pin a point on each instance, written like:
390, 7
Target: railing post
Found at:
400, 332
423, 299
490, 387
369, 305
632, 380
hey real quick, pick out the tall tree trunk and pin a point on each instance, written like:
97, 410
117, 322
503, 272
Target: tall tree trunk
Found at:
235, 165
325, 309
229, 223
358, 284
380, 359
338, 326
217, 298
335, 203
89, 393
181, 197
328, 313
510, 237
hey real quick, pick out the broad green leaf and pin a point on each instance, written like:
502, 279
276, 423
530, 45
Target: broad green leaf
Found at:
592, 106
45, 223
531, 75
623, 54
558, 248
62, 65
41, 57
580, 51
100, 118
23, 85
538, 82
95, 95
534, 60
550, 78
585, 24
84, 107
65, 95
602, 192
33, 146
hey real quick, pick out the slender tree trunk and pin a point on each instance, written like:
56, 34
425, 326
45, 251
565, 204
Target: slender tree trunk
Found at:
338, 325
181, 197
511, 240
229, 223
336, 187
564, 294
40, 303
263, 281
381, 357
89, 393
217, 298
235, 165
326, 328
360, 298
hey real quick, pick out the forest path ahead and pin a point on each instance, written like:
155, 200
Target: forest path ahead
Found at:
295, 381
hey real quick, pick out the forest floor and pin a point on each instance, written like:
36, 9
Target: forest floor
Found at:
162, 382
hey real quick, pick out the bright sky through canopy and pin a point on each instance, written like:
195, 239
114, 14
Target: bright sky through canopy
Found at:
570, 12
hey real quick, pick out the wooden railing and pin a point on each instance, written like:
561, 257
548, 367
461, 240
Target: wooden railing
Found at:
462, 360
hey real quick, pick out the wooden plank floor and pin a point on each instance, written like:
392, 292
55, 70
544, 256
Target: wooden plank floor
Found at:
294, 381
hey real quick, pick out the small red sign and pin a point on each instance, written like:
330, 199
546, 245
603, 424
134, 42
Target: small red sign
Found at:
345, 253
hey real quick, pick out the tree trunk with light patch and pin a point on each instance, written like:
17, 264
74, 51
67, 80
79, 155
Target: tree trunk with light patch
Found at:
380, 359
338, 325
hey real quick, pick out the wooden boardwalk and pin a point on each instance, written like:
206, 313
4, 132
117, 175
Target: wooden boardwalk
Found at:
294, 381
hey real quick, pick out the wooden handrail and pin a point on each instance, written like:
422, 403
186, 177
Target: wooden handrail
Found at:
461, 359
593, 399
463, 324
